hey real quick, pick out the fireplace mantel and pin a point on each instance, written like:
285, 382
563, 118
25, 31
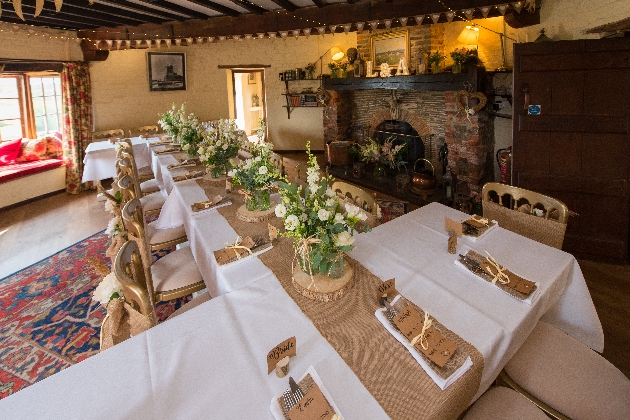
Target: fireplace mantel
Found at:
426, 82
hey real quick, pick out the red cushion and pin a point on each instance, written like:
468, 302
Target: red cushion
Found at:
17, 170
9, 151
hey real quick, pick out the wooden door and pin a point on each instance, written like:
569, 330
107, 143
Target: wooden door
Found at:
578, 148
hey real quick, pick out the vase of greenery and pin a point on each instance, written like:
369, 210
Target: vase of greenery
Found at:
221, 142
435, 61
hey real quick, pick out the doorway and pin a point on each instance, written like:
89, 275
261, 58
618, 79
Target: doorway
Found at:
248, 87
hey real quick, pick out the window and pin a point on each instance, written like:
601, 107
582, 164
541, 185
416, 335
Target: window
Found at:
30, 105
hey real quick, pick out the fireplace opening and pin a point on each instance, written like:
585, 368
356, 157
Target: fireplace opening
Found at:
402, 133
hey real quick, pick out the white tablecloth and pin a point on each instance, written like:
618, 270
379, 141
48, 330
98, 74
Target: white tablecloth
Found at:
413, 249
208, 363
100, 158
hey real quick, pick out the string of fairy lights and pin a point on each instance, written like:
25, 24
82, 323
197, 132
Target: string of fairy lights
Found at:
148, 40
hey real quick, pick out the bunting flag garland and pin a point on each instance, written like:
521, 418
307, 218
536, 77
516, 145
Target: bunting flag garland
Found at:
115, 41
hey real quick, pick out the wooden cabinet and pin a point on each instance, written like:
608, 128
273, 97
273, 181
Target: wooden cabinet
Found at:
577, 148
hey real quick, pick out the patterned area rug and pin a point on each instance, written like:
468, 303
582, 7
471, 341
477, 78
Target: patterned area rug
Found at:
48, 320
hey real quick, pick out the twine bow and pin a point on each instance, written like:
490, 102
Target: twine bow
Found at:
302, 249
246, 193
481, 220
237, 245
422, 337
499, 276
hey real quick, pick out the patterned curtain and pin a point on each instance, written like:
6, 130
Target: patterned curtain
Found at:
76, 96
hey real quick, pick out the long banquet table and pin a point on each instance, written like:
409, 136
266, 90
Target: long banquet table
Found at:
210, 361
100, 158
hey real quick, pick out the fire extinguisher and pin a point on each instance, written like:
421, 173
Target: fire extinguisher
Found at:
504, 159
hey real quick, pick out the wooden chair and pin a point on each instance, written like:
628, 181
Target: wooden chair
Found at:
358, 196
566, 379
108, 134
172, 276
145, 173
152, 203
500, 403
513, 208
276, 159
155, 238
145, 131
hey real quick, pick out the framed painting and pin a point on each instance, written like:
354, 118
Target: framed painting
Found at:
251, 78
167, 71
389, 48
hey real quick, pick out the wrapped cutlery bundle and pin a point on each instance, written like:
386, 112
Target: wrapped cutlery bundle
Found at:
190, 175
206, 205
167, 150
488, 269
308, 399
474, 228
430, 343
240, 250
183, 163
160, 143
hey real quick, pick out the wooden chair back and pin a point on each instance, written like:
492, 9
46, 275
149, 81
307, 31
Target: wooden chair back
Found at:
108, 134
145, 131
131, 273
515, 209
276, 159
360, 197
133, 220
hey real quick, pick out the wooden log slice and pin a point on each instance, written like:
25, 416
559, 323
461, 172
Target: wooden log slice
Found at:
257, 215
321, 287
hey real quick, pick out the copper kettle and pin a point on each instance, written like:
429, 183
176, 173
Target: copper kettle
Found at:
424, 180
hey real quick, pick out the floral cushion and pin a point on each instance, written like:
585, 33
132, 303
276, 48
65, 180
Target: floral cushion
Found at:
47, 147
9, 151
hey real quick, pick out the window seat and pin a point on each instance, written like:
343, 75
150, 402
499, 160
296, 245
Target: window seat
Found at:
25, 180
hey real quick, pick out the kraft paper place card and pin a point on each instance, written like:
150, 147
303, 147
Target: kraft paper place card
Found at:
454, 226
313, 406
229, 254
273, 232
286, 348
516, 282
228, 185
386, 288
203, 205
439, 348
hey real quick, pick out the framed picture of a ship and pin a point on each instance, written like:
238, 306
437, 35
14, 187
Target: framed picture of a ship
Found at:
389, 48
167, 71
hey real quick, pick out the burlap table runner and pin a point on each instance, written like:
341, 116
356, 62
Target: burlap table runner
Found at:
382, 364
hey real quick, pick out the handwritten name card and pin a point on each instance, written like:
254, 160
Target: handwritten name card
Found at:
287, 348
515, 282
387, 288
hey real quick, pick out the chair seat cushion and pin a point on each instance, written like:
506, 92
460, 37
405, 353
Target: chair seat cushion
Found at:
158, 236
504, 404
177, 269
570, 377
145, 172
149, 186
153, 201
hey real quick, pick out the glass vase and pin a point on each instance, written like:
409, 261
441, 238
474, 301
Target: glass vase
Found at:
258, 200
335, 271
457, 67
334, 73
380, 173
435, 68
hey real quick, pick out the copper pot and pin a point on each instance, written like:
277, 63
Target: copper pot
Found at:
338, 153
424, 180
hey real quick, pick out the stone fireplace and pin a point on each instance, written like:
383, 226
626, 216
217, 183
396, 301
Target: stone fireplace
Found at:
357, 113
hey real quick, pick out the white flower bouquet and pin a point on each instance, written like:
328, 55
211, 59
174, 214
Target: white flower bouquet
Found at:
257, 174
321, 229
171, 120
109, 288
220, 143
383, 154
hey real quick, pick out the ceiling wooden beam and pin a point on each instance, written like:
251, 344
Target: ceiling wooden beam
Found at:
319, 3
58, 23
80, 13
156, 16
216, 7
248, 5
172, 7
286, 5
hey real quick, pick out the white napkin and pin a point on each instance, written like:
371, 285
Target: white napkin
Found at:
276, 411
442, 383
530, 299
